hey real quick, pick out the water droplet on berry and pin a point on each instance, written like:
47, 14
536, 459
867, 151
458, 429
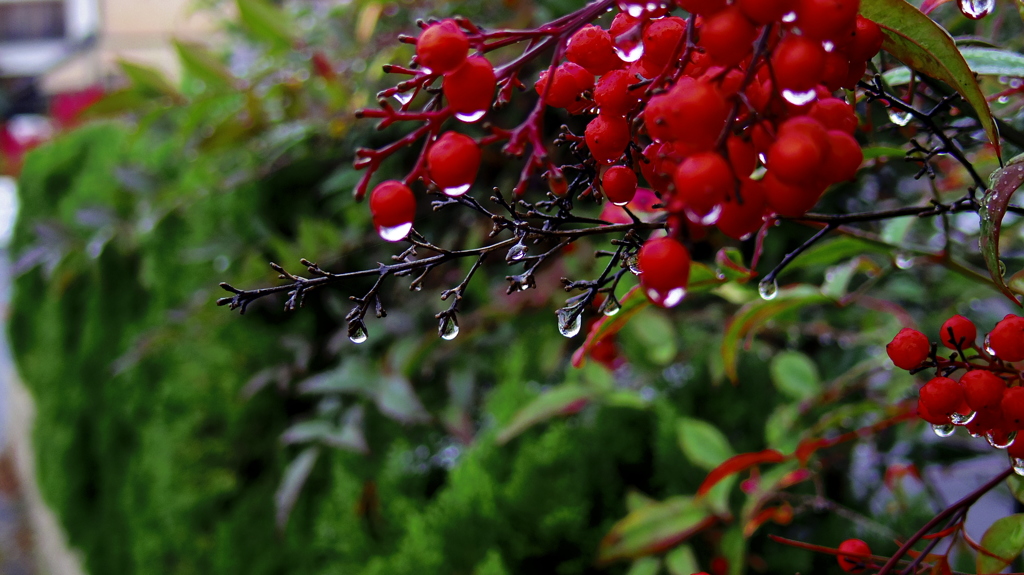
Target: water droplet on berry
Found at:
635, 10
403, 97
1000, 439
470, 118
357, 332
516, 252
668, 299
457, 191
629, 52
395, 233
633, 262
569, 324
1018, 465
768, 289
963, 418
988, 346
800, 98
709, 219
828, 46
899, 117
789, 17
944, 430
611, 307
976, 9
448, 329
904, 261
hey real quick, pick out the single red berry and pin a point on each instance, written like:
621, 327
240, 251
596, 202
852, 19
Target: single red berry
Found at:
1013, 407
619, 183
837, 68
607, 137
702, 7
659, 164
766, 11
958, 332
665, 270
790, 200
943, 396
986, 420
592, 48
982, 389
470, 88
453, 161
798, 63
744, 214
702, 182
826, 19
742, 156
393, 207
693, 113
570, 81
844, 157
727, 36
662, 39
612, 94
796, 157
1007, 338
1016, 450
867, 40
834, 114
923, 413
908, 349
442, 47
856, 555
857, 71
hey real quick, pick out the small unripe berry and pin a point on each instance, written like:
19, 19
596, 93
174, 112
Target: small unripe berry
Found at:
453, 161
470, 88
958, 331
857, 559
982, 389
619, 184
943, 396
393, 206
442, 47
665, 270
1007, 338
908, 349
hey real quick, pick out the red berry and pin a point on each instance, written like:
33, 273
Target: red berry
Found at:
612, 94
834, 114
739, 220
470, 88
789, 200
693, 112
982, 389
661, 40
619, 184
607, 137
867, 40
570, 81
727, 36
665, 270
701, 7
1013, 406
659, 164
943, 396
837, 68
702, 182
844, 157
799, 63
453, 161
826, 19
1007, 338
908, 349
392, 205
442, 47
741, 155
799, 151
923, 413
766, 11
857, 558
592, 48
958, 332
1016, 450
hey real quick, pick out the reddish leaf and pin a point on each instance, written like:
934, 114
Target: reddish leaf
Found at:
1003, 183
928, 5
736, 464
653, 529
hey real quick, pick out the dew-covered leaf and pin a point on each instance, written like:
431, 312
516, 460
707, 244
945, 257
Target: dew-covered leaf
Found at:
1004, 182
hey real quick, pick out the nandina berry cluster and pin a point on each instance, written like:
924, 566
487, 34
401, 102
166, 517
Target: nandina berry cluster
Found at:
987, 397
725, 109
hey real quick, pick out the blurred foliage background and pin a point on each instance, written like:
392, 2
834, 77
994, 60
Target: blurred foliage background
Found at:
175, 437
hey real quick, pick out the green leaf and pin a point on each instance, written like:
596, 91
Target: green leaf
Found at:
266, 22
645, 566
883, 151
681, 561
631, 304
751, 316
295, 476
984, 61
920, 43
198, 61
148, 80
778, 430
396, 399
1005, 540
734, 549
653, 529
795, 375
1004, 182
1016, 485
562, 400
834, 251
703, 443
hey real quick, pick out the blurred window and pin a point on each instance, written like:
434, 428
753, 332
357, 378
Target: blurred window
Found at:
34, 20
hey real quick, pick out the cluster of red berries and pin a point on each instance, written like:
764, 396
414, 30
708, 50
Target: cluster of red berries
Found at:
988, 398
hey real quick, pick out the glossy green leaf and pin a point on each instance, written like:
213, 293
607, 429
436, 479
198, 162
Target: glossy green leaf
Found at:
266, 22
703, 443
1016, 484
1004, 182
920, 43
795, 375
653, 529
561, 400
1005, 540
984, 61
681, 561
645, 566
295, 476
198, 61
148, 80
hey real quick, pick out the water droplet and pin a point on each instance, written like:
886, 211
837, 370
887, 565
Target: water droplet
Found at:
988, 346
708, 219
1002, 268
395, 233
1000, 439
633, 262
976, 9
963, 418
904, 261
828, 46
403, 97
635, 10
789, 17
448, 329
899, 117
610, 307
800, 98
668, 299
568, 324
357, 332
1003, 99
1016, 83
457, 191
944, 430
629, 52
516, 252
470, 118
417, 287
1018, 465
768, 289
